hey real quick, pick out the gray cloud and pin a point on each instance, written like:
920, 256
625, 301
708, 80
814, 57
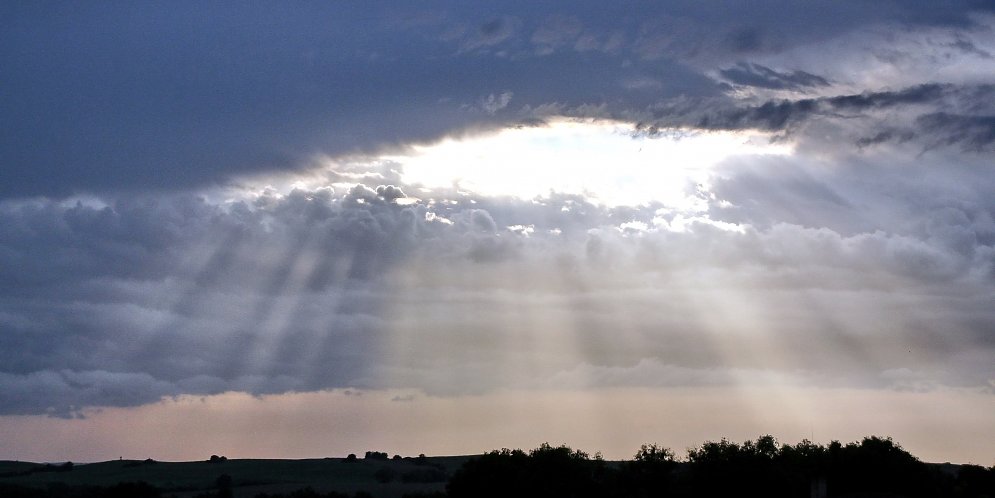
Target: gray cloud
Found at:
784, 114
146, 297
765, 77
182, 290
490, 33
909, 115
182, 295
973, 133
70, 391
970, 48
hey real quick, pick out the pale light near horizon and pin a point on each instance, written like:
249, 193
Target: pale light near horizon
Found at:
611, 421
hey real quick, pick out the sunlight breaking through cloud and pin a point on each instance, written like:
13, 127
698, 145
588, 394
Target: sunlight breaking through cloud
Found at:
611, 163
500, 213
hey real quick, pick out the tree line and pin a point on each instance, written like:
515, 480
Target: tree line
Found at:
872, 467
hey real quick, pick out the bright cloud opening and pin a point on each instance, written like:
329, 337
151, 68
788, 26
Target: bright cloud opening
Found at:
611, 163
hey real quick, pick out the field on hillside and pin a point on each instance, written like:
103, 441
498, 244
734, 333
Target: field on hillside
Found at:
381, 478
874, 466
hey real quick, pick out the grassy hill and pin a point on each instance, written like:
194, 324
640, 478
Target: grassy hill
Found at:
381, 478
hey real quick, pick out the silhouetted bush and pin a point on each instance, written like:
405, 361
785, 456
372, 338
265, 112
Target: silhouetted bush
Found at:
376, 455
351, 457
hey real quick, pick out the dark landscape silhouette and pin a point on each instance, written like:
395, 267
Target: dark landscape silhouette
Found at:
873, 467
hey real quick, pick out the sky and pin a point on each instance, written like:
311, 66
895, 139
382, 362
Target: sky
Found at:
274, 231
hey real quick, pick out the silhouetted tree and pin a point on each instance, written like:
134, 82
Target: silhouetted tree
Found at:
725, 468
546, 471
877, 465
648, 474
804, 466
974, 480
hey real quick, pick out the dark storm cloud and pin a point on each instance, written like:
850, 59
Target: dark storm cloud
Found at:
921, 94
161, 96
972, 133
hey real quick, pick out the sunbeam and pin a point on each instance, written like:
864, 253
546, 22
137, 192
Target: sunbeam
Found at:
453, 227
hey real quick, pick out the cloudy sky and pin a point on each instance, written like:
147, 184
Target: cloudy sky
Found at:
449, 227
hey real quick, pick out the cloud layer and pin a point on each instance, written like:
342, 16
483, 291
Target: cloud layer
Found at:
145, 254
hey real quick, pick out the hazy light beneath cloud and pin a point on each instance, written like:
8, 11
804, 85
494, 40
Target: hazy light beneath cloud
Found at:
613, 421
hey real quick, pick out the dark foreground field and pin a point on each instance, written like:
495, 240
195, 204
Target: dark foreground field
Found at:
249, 478
871, 468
